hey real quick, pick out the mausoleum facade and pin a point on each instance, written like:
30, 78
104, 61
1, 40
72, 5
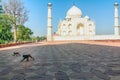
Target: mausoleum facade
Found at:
75, 25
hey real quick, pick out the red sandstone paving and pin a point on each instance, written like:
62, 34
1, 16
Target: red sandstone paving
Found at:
67, 60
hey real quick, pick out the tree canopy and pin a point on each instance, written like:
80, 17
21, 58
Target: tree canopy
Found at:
6, 34
1, 10
17, 13
12, 22
24, 33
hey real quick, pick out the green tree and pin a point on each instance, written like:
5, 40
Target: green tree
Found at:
42, 38
17, 13
5, 27
1, 9
6, 34
24, 33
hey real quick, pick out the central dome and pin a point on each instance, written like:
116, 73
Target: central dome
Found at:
74, 12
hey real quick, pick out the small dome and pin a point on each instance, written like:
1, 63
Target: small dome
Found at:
74, 11
67, 17
116, 3
87, 17
49, 4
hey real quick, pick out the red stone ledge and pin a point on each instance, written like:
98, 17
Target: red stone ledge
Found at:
13, 44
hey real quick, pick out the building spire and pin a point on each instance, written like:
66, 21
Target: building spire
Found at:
116, 16
49, 24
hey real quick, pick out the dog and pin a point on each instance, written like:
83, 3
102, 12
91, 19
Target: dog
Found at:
27, 56
16, 54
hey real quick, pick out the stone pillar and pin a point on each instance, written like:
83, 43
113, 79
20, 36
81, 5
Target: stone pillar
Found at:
116, 23
49, 23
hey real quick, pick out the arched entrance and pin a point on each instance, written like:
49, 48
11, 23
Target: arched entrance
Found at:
80, 29
69, 33
64, 33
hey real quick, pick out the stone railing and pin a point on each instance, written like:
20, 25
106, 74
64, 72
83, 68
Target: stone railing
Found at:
94, 37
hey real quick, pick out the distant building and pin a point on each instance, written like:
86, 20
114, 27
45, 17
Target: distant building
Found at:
76, 25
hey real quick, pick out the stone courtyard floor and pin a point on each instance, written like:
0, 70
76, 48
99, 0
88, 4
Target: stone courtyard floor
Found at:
69, 61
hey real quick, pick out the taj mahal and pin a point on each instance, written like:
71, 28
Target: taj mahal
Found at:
77, 27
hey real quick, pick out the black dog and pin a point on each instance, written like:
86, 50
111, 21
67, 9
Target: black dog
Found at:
16, 54
26, 57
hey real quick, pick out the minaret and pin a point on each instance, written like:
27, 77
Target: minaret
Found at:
116, 23
49, 24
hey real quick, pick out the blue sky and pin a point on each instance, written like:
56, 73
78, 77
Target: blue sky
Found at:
100, 11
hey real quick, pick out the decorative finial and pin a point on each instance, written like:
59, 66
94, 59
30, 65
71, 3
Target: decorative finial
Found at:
74, 3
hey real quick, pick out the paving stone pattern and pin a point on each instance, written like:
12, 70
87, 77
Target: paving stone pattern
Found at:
74, 61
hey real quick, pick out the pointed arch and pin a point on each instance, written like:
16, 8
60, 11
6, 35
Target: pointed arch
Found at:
69, 33
80, 29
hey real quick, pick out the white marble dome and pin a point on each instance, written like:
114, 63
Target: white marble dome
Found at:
74, 11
